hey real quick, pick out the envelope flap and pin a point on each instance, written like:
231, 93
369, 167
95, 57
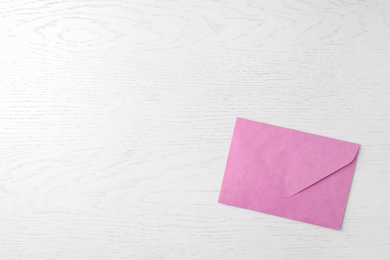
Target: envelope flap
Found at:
293, 160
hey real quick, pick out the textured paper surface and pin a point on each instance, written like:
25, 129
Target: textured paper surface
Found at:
288, 173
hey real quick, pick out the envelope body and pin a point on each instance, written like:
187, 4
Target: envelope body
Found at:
288, 173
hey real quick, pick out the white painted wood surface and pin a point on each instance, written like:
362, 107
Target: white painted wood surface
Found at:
116, 118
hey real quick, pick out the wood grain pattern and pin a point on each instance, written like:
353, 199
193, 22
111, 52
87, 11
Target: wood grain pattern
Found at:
116, 118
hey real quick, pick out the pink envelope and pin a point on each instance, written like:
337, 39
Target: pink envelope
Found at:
288, 173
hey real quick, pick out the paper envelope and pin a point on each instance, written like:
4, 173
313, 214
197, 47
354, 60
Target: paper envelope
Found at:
288, 173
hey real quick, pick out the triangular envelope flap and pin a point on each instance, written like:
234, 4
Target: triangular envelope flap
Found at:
293, 160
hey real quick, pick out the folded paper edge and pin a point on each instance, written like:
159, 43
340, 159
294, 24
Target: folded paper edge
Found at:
348, 162
349, 156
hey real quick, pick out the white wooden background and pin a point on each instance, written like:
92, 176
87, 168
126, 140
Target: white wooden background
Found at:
116, 118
